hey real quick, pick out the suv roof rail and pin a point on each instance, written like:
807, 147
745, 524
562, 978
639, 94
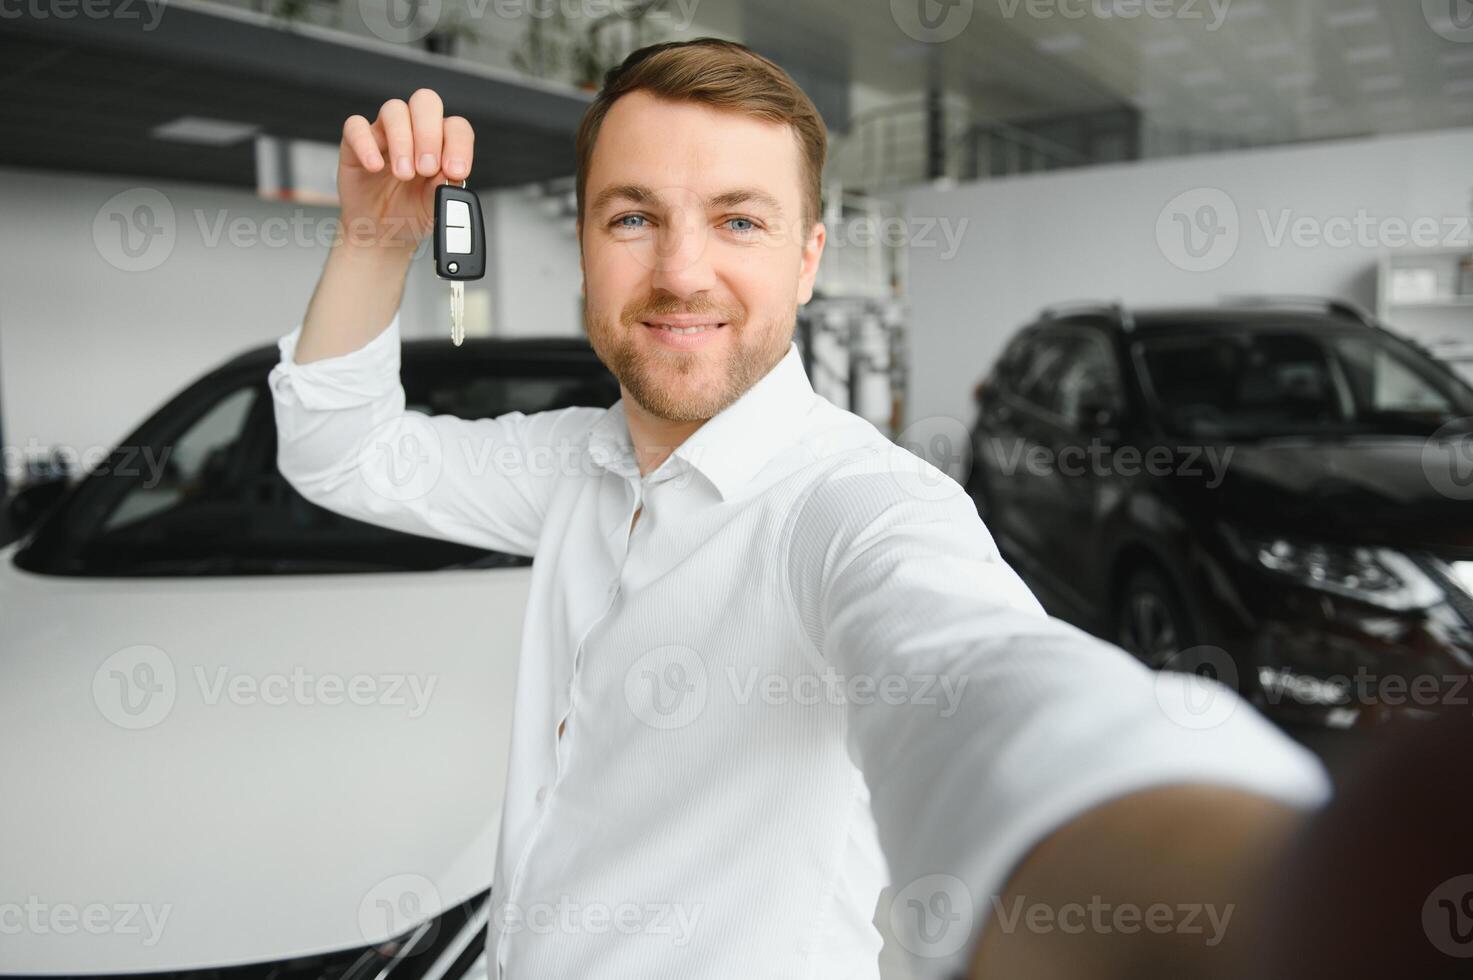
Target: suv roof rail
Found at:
1326, 304
1115, 310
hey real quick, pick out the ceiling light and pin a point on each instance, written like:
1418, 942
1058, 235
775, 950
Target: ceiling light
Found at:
203, 130
1274, 49
1377, 52
1060, 43
1202, 76
1302, 79
1381, 83
1161, 46
1352, 18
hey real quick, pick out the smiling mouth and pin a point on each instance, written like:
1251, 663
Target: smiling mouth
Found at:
684, 330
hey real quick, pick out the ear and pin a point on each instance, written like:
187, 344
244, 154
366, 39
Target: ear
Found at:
812, 253
582, 264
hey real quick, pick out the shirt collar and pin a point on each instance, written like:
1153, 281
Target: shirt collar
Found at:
733, 445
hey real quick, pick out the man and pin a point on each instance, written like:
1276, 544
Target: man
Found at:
771, 661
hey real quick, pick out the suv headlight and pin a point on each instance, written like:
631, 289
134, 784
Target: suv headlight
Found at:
1382, 577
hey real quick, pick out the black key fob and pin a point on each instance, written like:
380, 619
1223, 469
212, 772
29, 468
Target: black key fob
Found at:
460, 235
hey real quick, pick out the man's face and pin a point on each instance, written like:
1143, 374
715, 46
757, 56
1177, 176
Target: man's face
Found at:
693, 221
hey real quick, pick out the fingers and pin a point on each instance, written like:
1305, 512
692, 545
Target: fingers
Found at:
393, 120
459, 147
416, 138
359, 141
427, 114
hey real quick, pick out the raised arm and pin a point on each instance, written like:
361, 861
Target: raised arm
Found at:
387, 173
345, 439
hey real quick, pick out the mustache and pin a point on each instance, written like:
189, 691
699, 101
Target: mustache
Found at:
670, 306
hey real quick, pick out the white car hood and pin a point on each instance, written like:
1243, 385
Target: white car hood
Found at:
237, 814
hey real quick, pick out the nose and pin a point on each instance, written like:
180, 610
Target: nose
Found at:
682, 263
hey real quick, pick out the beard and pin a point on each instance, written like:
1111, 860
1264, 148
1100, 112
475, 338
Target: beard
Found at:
683, 386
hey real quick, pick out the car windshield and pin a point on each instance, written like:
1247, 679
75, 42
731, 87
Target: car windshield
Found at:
1267, 383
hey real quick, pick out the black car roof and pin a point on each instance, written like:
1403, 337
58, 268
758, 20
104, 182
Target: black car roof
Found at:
575, 349
1202, 319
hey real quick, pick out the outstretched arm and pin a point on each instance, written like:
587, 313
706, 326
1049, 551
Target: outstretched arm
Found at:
1036, 773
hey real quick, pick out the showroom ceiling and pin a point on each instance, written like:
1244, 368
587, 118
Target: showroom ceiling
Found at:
1266, 70
83, 94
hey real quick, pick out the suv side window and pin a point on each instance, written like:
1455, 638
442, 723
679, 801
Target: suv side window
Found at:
1071, 372
1089, 382
1012, 363
1039, 377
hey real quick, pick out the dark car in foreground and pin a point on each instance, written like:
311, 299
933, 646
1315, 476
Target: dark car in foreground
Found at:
1279, 491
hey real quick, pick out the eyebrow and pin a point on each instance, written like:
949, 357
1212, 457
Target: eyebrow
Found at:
640, 194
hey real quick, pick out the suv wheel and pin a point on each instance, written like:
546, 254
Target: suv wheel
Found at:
1151, 621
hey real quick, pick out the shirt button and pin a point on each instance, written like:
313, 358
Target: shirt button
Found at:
541, 793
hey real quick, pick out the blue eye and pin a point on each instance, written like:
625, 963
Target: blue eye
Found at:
750, 226
622, 222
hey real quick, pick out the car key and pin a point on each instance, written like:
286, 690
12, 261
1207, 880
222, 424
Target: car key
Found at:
460, 247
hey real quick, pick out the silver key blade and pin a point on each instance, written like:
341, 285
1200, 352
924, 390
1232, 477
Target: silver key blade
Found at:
457, 312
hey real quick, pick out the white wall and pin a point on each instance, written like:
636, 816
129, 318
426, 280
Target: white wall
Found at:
92, 341
1032, 241
533, 264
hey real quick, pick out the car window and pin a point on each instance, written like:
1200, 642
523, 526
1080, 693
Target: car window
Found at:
1012, 364
1277, 383
1039, 379
1068, 371
195, 470
1384, 382
215, 503
1088, 381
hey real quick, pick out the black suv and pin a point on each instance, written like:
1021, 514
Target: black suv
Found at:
1284, 487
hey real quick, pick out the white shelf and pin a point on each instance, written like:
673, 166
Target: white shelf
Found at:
1449, 303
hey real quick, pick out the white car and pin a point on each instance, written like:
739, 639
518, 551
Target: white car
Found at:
242, 729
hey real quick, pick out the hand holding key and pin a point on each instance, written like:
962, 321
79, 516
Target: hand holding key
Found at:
388, 169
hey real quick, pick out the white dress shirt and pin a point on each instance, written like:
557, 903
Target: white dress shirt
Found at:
804, 674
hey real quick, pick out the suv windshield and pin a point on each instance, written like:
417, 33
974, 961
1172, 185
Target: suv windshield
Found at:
1266, 383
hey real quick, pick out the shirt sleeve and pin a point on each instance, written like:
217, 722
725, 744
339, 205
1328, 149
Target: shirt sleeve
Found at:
346, 442
1001, 724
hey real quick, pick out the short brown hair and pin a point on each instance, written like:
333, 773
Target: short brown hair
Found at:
723, 75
